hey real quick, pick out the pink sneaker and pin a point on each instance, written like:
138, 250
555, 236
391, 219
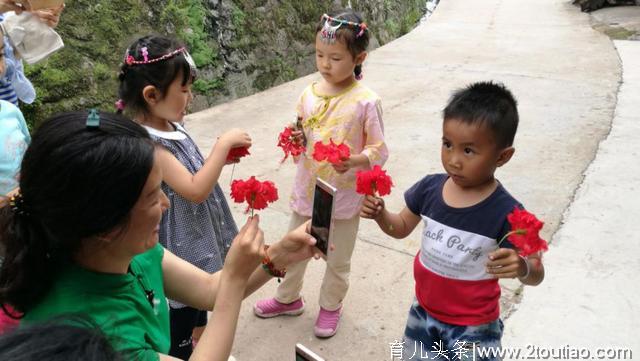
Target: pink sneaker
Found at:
270, 307
327, 322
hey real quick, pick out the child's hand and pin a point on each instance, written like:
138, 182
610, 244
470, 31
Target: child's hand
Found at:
371, 207
505, 263
297, 134
235, 138
344, 166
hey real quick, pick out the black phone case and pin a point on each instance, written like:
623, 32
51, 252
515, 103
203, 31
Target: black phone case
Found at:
321, 244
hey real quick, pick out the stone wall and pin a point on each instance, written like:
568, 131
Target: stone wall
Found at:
240, 46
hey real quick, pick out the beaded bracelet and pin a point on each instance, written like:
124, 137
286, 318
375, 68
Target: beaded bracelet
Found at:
268, 266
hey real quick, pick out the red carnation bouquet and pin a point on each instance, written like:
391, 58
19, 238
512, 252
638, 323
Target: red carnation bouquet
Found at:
368, 182
257, 194
287, 142
332, 152
524, 232
237, 153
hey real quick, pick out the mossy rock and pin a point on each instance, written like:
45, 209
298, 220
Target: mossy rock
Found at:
264, 42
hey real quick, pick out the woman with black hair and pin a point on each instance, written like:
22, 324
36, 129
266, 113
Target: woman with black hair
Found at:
82, 237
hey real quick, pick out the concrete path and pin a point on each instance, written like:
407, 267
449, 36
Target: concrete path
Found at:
565, 76
589, 301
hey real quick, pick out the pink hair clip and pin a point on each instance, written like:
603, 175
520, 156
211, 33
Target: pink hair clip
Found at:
120, 104
363, 28
130, 59
145, 54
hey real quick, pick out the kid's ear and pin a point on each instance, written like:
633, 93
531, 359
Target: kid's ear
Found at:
361, 57
505, 155
150, 94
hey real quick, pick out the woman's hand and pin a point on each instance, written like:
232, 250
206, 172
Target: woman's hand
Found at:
17, 6
294, 247
247, 250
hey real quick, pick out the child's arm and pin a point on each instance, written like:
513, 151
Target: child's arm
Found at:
196, 187
396, 225
356, 160
375, 150
506, 263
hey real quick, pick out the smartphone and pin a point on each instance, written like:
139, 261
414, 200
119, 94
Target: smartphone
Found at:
322, 214
304, 354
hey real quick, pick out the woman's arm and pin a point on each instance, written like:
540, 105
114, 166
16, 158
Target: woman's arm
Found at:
225, 289
197, 187
192, 286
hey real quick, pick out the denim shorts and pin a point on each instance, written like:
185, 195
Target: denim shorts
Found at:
426, 338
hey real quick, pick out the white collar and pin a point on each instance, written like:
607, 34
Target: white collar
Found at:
178, 134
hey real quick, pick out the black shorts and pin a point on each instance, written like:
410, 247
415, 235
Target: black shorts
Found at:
183, 321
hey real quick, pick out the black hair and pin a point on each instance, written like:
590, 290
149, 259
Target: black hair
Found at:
487, 103
76, 183
68, 339
135, 77
349, 34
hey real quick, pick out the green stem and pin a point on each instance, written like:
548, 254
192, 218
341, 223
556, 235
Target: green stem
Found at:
517, 231
232, 170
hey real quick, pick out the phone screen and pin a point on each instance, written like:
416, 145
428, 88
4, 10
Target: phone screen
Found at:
321, 218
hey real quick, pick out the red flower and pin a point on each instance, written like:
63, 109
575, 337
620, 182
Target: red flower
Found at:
524, 232
257, 194
288, 144
319, 151
237, 153
370, 181
332, 152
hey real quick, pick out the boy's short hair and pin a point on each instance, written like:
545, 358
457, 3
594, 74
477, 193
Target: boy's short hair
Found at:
487, 103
